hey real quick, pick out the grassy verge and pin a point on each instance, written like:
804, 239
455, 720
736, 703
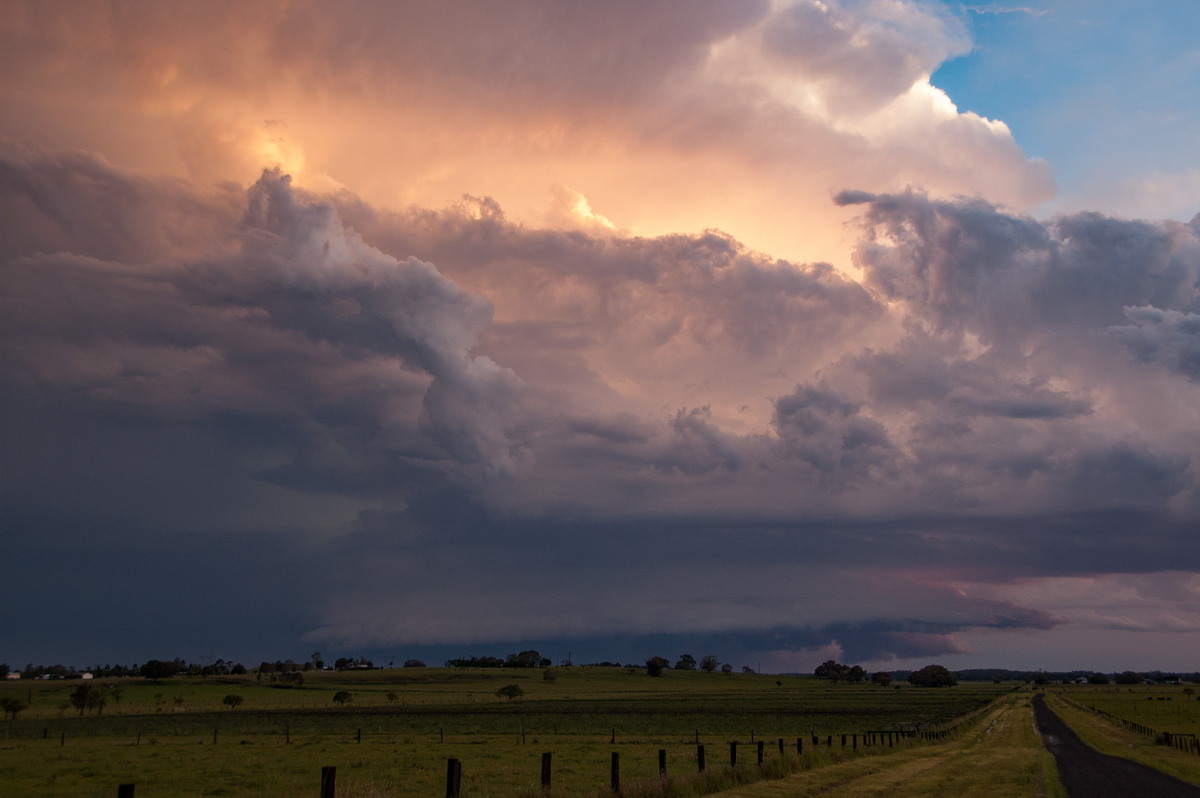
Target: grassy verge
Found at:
1002, 756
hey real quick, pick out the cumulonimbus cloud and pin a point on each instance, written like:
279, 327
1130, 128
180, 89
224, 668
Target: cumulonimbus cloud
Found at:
541, 398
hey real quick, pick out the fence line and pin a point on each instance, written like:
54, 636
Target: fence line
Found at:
886, 738
1181, 741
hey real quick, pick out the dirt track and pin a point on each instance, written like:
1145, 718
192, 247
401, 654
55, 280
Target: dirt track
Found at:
1087, 773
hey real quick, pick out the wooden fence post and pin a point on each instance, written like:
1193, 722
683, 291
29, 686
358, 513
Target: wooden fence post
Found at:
125, 790
328, 782
760, 752
733, 754
799, 746
700, 758
662, 764
781, 746
453, 778
546, 772
615, 774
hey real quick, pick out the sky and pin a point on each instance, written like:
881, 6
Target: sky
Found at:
779, 330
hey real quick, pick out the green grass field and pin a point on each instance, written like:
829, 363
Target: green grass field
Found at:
161, 735
1166, 708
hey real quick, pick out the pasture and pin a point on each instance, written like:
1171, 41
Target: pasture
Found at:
393, 737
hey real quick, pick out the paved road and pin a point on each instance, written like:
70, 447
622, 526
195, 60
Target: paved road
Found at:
1087, 773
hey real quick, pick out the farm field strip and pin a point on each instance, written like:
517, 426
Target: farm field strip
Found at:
1001, 757
581, 718
1163, 708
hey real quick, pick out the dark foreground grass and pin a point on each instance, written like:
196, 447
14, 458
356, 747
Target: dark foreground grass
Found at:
276, 742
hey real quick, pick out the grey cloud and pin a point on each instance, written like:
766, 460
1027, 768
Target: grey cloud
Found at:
74, 202
697, 446
303, 319
919, 637
1124, 474
703, 287
827, 430
964, 265
1167, 337
918, 371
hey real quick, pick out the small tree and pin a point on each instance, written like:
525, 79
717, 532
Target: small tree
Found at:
157, 669
510, 691
290, 679
413, 663
933, 676
656, 665
686, 663
881, 678
831, 669
392, 698
726, 668
526, 659
549, 675
12, 707
342, 698
233, 701
81, 696
709, 663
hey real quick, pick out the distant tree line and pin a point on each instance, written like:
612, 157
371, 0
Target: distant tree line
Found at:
1075, 677
157, 669
525, 659
287, 673
655, 666
151, 669
929, 676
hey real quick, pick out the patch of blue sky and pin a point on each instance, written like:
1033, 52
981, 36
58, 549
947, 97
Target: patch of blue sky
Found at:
1107, 92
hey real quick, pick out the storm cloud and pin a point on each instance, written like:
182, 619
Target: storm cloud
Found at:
653, 436
623, 328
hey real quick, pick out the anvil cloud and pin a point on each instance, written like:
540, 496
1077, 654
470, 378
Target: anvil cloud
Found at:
711, 326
